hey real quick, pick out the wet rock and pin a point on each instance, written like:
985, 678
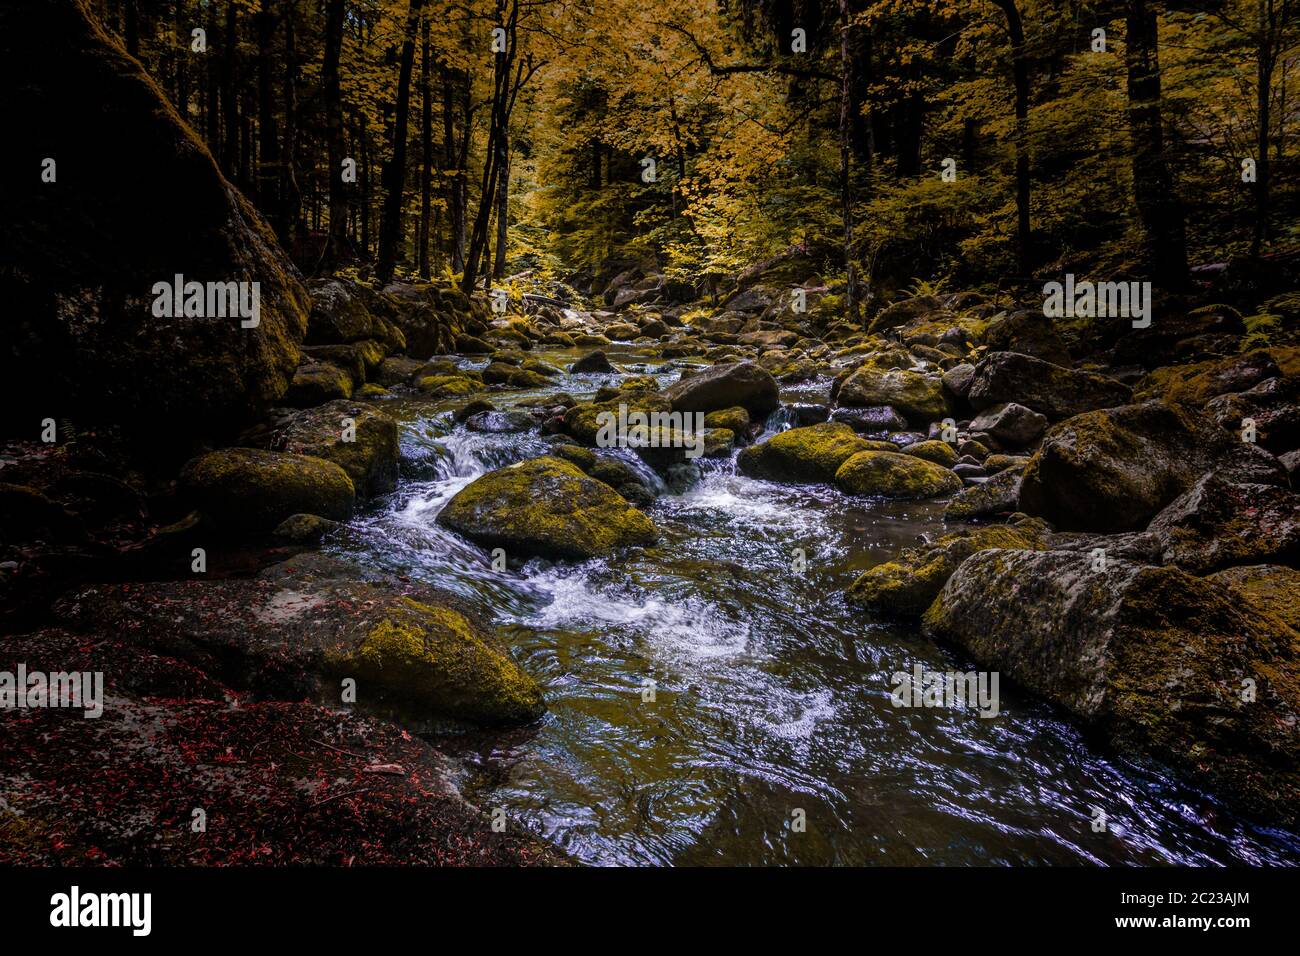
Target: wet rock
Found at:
736, 419
1112, 470
1011, 424
1271, 409
892, 475
957, 380
338, 314
546, 507
358, 438
1197, 383
1046, 388
419, 650
813, 453
871, 419
725, 386
592, 362
471, 345
907, 585
246, 489
999, 495
1154, 658
916, 396
397, 370
499, 423
317, 383
1217, 523
622, 331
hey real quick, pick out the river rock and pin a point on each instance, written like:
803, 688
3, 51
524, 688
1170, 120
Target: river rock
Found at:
246, 489
957, 380
1154, 658
915, 395
316, 383
1011, 424
338, 314
358, 438
998, 495
939, 452
892, 475
1112, 470
1217, 523
1028, 332
878, 419
813, 453
1048, 389
723, 386
83, 339
907, 585
420, 649
592, 362
546, 507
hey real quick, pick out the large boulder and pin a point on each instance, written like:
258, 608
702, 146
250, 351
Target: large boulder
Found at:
1218, 522
1269, 587
1163, 663
1112, 470
246, 489
889, 474
1046, 388
546, 507
907, 585
1028, 332
338, 314
812, 453
420, 650
87, 254
723, 386
358, 438
918, 397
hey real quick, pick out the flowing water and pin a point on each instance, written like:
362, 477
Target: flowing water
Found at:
771, 696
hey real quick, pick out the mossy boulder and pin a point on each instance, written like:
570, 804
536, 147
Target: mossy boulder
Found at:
890, 474
1198, 382
812, 453
1162, 663
448, 386
316, 383
939, 452
918, 397
409, 648
358, 438
248, 489
723, 386
1049, 389
338, 313
584, 422
1217, 523
82, 338
305, 529
546, 507
1027, 332
908, 585
1112, 470
736, 419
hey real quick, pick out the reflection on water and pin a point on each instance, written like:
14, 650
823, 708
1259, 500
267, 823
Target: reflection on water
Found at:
771, 695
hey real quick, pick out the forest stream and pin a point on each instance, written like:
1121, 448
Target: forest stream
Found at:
771, 694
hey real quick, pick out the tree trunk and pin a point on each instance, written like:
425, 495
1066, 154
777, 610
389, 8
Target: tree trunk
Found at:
1020, 73
390, 226
503, 197
426, 149
337, 240
268, 135
455, 181
846, 146
289, 192
1153, 183
1263, 95
182, 55
210, 115
229, 104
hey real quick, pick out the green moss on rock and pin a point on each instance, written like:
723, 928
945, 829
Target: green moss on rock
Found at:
254, 490
812, 453
893, 475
